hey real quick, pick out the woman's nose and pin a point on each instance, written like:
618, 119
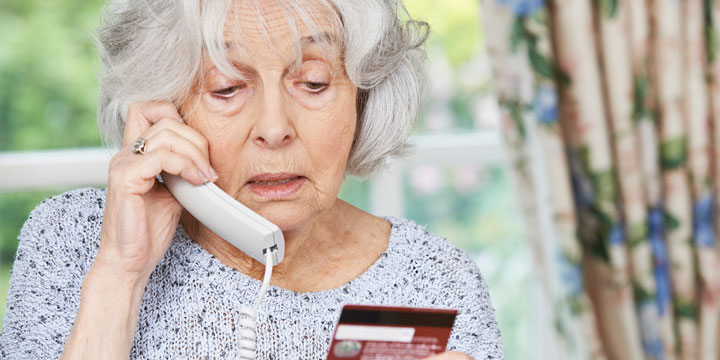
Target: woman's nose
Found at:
273, 127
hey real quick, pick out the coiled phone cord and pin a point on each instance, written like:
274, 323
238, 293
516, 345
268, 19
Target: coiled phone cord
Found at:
248, 324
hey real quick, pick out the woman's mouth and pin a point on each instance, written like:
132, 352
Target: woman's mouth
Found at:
276, 186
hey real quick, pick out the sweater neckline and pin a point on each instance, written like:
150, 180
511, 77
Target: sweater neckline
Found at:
199, 255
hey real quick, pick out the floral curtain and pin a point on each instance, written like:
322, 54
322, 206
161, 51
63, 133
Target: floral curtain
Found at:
611, 114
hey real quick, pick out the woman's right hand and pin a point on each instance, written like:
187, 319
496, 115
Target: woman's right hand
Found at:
140, 219
141, 215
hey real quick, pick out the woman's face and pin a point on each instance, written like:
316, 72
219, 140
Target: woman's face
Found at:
279, 140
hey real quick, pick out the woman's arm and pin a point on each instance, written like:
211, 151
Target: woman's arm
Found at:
140, 219
107, 318
475, 331
55, 247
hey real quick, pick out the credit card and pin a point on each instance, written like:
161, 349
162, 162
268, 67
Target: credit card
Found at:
382, 332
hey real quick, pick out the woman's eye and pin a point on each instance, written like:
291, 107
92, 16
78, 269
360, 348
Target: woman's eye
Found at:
315, 87
227, 92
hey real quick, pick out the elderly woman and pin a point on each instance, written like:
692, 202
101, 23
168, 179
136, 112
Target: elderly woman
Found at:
275, 102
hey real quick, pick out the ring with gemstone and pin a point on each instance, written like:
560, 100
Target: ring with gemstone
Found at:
139, 146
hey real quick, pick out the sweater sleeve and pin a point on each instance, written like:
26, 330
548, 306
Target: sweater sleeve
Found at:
475, 331
50, 264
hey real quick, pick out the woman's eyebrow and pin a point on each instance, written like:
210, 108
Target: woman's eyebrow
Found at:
324, 40
323, 37
329, 45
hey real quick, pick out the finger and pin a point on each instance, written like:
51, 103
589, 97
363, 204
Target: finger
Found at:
142, 115
182, 130
135, 174
153, 163
170, 140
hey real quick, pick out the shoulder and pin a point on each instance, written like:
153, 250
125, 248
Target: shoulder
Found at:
60, 206
73, 211
70, 220
448, 277
446, 273
56, 247
431, 252
83, 197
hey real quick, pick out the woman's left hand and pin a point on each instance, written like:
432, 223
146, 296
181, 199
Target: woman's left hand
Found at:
450, 355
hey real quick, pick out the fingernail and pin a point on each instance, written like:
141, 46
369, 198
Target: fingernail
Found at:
213, 174
202, 176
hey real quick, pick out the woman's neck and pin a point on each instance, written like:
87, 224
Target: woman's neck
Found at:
328, 251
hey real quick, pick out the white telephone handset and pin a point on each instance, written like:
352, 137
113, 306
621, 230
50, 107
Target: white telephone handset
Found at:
240, 226
231, 220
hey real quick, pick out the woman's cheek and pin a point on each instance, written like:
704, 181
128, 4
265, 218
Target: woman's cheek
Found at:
338, 128
333, 113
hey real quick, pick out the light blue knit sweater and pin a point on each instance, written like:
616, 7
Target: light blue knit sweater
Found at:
191, 299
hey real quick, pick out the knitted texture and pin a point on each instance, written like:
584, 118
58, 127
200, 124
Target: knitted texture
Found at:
192, 299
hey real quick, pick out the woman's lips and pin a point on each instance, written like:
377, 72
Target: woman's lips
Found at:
275, 186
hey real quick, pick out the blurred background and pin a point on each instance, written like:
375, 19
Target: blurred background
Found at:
456, 183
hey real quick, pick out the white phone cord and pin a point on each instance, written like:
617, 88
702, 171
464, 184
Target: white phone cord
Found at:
248, 324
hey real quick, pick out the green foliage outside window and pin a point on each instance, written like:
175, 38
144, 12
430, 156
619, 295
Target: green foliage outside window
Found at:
48, 90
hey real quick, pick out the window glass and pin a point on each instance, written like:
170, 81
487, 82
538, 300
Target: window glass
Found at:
474, 208
458, 68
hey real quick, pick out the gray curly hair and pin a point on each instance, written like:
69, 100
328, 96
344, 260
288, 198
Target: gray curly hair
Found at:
153, 50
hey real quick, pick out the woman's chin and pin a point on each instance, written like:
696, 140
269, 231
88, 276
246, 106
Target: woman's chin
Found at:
287, 215
286, 222
289, 208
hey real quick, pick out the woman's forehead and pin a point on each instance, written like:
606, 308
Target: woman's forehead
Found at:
285, 26
289, 20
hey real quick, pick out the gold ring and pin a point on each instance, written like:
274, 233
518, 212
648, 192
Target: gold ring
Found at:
139, 146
